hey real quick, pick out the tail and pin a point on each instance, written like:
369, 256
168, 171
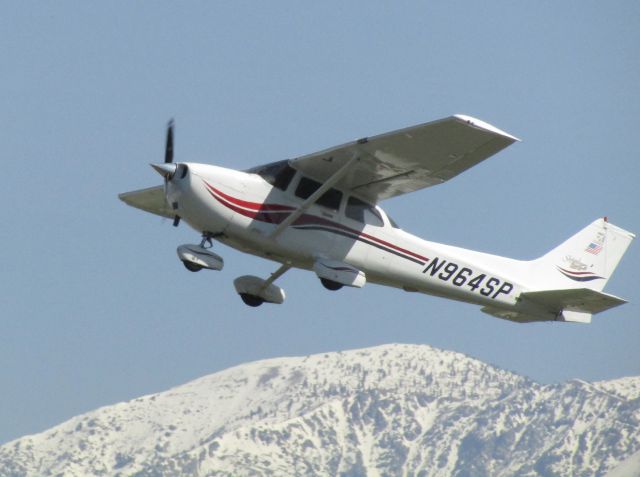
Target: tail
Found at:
586, 260
570, 278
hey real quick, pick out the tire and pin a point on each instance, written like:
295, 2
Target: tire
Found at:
330, 284
192, 267
251, 300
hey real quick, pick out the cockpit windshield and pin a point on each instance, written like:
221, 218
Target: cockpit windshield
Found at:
278, 174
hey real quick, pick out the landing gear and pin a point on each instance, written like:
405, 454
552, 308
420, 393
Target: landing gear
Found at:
254, 291
196, 257
330, 284
334, 274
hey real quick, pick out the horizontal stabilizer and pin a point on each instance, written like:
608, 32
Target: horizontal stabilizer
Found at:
581, 300
573, 304
518, 316
575, 317
150, 200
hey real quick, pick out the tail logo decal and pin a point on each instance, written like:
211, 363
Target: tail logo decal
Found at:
579, 276
593, 248
575, 263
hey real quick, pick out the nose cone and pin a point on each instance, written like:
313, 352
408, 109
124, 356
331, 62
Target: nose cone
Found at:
166, 169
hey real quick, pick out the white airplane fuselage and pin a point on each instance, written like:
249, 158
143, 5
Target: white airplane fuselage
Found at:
241, 210
319, 212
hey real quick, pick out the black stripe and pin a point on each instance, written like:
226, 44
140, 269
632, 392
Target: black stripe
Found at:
358, 237
582, 279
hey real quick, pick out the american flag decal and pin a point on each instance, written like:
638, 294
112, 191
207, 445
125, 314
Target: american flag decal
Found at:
593, 248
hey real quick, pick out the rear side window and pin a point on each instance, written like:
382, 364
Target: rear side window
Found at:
330, 199
363, 212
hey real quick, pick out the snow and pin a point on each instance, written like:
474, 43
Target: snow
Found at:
390, 410
629, 468
627, 388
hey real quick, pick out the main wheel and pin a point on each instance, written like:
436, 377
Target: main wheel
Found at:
251, 300
192, 267
330, 284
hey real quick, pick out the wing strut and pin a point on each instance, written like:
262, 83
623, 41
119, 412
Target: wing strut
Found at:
315, 196
275, 275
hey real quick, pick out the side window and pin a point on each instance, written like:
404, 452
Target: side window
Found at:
306, 187
362, 212
330, 199
278, 174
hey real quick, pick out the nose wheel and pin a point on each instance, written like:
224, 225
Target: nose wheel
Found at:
205, 244
196, 257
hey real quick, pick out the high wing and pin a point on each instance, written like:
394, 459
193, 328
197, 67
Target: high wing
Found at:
150, 200
408, 159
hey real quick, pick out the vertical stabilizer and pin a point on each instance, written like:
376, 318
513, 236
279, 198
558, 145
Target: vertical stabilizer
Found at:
586, 260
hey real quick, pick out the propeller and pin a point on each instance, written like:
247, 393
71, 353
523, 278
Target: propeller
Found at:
168, 152
167, 169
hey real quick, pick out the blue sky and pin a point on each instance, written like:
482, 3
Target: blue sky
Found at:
97, 309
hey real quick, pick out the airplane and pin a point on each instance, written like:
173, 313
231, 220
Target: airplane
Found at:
320, 212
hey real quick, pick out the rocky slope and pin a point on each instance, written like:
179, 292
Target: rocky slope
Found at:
392, 410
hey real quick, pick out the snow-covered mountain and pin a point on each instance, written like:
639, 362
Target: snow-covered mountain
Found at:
403, 410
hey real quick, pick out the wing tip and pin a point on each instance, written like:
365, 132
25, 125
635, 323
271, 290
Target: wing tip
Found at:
478, 123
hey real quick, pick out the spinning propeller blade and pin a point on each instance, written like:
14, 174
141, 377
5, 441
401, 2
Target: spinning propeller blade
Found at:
168, 153
167, 169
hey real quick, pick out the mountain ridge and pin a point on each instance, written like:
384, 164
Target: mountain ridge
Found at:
389, 410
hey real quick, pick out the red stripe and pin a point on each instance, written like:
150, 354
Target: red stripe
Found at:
269, 217
305, 219
250, 205
246, 213
310, 219
400, 249
575, 273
